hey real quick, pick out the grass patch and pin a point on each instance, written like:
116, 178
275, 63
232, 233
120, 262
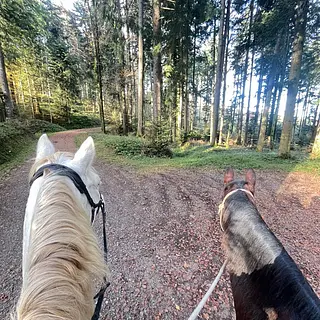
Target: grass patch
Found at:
25, 150
204, 156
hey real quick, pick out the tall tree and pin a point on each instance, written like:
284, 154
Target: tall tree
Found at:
225, 71
8, 102
140, 71
316, 145
157, 72
219, 73
96, 41
270, 85
294, 76
245, 70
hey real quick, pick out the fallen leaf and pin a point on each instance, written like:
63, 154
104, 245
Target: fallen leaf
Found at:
205, 316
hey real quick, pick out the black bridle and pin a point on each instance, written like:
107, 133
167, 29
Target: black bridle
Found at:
64, 171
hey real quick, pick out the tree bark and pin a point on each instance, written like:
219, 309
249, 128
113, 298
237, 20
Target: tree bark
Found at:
140, 72
8, 102
225, 72
157, 73
304, 114
294, 76
275, 118
245, 139
245, 72
316, 145
194, 86
316, 120
256, 115
96, 42
217, 91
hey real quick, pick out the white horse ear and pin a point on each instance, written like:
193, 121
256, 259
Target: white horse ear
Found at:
45, 147
85, 155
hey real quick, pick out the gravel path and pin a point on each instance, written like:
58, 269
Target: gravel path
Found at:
164, 236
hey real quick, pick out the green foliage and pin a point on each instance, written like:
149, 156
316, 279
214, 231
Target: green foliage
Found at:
126, 146
131, 146
157, 148
14, 135
78, 121
40, 126
202, 157
157, 141
195, 135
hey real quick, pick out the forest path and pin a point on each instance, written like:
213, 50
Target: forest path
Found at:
164, 235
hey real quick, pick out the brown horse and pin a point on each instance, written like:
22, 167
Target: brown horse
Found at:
266, 282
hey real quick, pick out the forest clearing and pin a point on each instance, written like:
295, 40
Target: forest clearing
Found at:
172, 92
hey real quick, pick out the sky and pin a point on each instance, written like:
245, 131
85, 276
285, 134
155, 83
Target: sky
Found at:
67, 4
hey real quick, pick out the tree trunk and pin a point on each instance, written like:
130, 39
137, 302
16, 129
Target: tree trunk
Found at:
225, 72
275, 118
316, 145
245, 72
217, 91
224, 93
194, 86
174, 111
140, 72
256, 115
30, 93
316, 121
96, 42
294, 76
181, 95
245, 139
8, 103
22, 95
293, 131
304, 114
157, 73
264, 117
186, 94
273, 109
270, 84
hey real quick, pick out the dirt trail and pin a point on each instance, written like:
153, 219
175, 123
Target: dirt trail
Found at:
164, 236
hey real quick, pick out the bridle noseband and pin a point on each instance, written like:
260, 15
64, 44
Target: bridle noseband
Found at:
61, 170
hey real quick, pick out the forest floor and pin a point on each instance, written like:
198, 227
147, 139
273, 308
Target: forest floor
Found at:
164, 235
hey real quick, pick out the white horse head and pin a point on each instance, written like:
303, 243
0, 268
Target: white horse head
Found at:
80, 163
61, 255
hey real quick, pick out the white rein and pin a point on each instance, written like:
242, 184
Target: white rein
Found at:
203, 301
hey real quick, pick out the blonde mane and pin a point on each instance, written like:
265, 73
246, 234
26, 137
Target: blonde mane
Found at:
63, 257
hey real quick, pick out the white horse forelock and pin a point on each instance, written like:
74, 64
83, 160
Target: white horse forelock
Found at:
61, 256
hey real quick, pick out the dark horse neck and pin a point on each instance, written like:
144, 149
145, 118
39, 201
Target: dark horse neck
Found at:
266, 282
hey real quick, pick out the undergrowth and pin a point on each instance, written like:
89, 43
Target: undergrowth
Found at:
17, 139
126, 151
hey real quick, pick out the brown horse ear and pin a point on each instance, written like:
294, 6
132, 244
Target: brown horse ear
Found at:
228, 176
251, 180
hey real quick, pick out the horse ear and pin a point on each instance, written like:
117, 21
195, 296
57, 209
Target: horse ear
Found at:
251, 180
85, 155
45, 147
228, 176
